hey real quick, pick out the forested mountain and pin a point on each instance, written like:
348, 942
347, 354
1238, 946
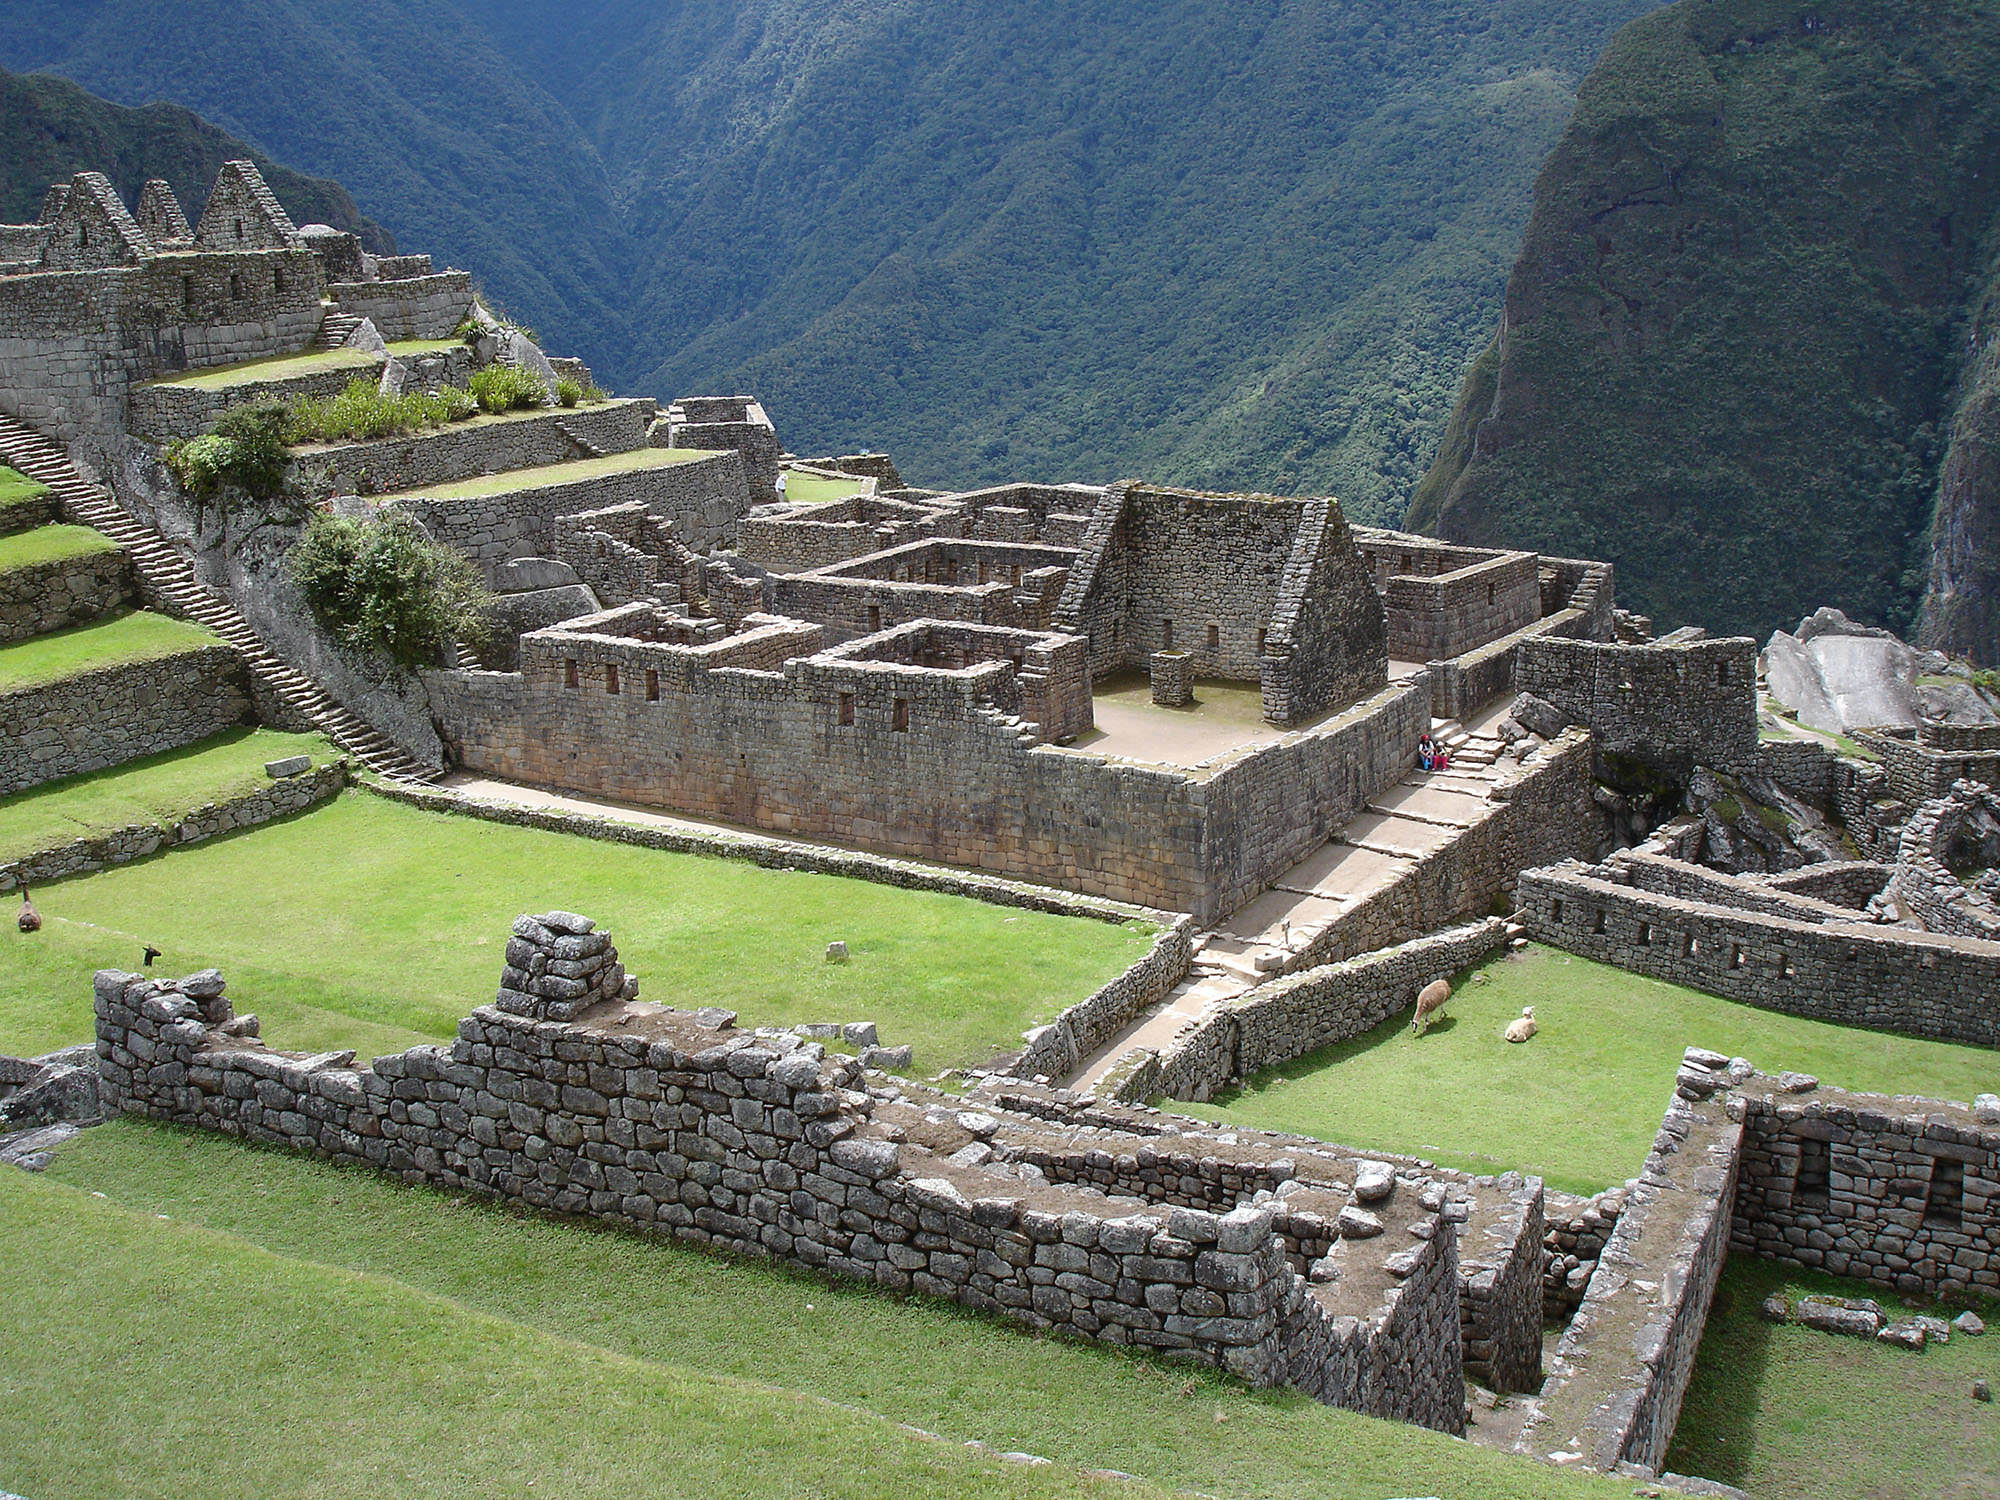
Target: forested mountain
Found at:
1739, 346
1244, 243
50, 130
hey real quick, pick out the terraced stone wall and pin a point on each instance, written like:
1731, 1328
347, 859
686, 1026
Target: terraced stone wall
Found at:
482, 447
570, 1096
68, 591
115, 714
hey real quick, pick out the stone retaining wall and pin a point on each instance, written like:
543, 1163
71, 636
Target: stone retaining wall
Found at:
115, 714
120, 846
473, 449
164, 413
701, 499
1691, 703
67, 591
1888, 978
1054, 1051
1300, 1013
676, 1123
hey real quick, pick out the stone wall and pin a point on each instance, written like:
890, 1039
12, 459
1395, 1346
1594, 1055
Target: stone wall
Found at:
1903, 1193
1014, 586
474, 449
120, 846
1239, 581
1446, 615
700, 500
165, 412
1621, 1370
115, 714
1921, 764
915, 761
35, 509
1300, 1013
1693, 703
67, 591
1846, 882
571, 1096
1540, 813
1886, 978
415, 307
1054, 1051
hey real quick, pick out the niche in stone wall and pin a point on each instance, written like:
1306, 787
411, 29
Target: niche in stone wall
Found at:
1810, 1191
1944, 1198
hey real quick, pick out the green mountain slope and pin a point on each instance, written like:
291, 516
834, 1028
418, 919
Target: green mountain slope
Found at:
1962, 601
50, 130
1730, 344
405, 103
1234, 242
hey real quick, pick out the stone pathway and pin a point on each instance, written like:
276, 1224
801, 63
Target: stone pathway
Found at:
1373, 853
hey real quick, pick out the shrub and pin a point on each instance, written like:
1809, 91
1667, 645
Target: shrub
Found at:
362, 411
499, 388
577, 392
246, 452
384, 586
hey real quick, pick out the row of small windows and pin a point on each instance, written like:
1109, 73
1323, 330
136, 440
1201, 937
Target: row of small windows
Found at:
238, 287
899, 708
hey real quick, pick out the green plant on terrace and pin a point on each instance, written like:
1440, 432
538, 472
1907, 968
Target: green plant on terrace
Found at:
383, 586
363, 411
503, 388
245, 454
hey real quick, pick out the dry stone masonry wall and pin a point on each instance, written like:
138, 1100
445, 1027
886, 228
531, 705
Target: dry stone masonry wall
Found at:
42, 597
115, 714
678, 1123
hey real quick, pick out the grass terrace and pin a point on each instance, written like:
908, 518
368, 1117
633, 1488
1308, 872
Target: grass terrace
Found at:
372, 925
116, 640
54, 543
815, 489
277, 367
380, 1338
551, 474
158, 788
18, 489
1790, 1413
1579, 1104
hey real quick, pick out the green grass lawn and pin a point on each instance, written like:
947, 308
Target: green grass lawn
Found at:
410, 348
109, 642
1788, 1413
278, 367
1581, 1102
566, 473
46, 544
369, 1338
17, 488
813, 489
158, 788
372, 925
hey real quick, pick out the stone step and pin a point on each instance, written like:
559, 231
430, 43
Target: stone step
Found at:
168, 577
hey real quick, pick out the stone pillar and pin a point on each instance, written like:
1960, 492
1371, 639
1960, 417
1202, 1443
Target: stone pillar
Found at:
1173, 678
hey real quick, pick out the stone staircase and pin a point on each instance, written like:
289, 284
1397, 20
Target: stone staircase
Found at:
335, 329
168, 579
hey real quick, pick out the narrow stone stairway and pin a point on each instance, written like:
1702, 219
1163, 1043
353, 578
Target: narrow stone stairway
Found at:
335, 329
168, 580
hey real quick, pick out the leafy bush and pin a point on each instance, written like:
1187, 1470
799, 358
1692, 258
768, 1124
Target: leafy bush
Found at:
362, 411
246, 453
576, 392
384, 586
499, 388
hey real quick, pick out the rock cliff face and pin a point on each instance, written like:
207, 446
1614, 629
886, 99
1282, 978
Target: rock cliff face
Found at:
1961, 610
1730, 350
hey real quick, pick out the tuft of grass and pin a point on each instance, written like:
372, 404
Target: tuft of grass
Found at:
112, 641
158, 788
1764, 1398
499, 388
584, 1294
1579, 1104
47, 544
361, 412
368, 924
